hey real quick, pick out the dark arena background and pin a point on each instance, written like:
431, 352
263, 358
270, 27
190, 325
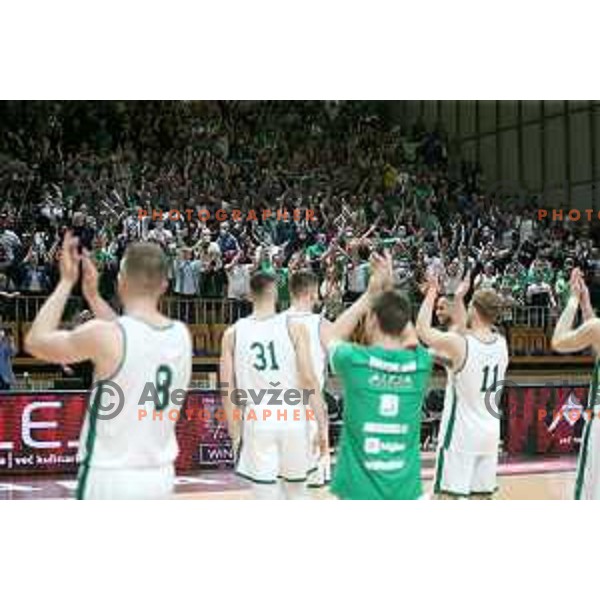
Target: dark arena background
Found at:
504, 190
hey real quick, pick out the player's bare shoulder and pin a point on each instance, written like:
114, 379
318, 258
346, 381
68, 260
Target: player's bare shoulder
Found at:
298, 332
108, 340
228, 338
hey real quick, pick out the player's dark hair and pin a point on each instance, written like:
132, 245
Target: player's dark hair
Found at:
392, 311
260, 282
302, 281
146, 264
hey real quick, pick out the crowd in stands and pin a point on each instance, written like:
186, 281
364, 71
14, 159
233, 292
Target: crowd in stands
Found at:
96, 166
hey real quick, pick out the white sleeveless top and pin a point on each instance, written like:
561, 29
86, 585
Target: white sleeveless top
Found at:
155, 362
468, 425
265, 368
312, 322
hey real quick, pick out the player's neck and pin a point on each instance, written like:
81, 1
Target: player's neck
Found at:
482, 331
143, 308
389, 343
302, 305
394, 342
263, 310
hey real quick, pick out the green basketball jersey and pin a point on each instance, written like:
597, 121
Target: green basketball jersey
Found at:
379, 456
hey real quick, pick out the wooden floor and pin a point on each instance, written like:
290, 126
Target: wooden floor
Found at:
547, 478
519, 478
544, 486
541, 486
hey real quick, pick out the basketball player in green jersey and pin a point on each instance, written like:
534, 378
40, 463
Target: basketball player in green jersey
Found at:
567, 339
384, 385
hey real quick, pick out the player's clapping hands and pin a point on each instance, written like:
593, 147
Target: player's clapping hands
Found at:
580, 291
89, 281
463, 287
431, 287
577, 284
382, 275
70, 259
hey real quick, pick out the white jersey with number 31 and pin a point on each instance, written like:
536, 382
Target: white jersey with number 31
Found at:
264, 360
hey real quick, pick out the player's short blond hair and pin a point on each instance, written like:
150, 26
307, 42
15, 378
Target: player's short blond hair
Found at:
488, 304
301, 282
145, 265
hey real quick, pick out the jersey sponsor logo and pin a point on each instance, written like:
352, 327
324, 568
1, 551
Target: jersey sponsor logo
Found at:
384, 465
376, 446
383, 380
389, 405
372, 445
389, 428
384, 365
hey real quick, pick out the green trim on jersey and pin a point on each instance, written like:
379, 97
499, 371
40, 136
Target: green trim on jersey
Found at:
152, 325
586, 436
299, 479
253, 480
94, 409
464, 362
437, 485
447, 441
451, 494
123, 354
89, 444
490, 493
451, 420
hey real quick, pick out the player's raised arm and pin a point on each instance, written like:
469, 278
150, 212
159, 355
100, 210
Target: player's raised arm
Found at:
449, 345
89, 286
95, 340
565, 338
381, 278
587, 310
459, 310
308, 380
226, 379
325, 332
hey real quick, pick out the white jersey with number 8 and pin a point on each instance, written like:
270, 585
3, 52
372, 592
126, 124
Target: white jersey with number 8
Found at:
155, 361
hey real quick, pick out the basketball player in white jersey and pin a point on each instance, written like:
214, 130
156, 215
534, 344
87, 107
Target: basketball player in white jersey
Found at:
271, 395
566, 339
304, 295
467, 456
125, 454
